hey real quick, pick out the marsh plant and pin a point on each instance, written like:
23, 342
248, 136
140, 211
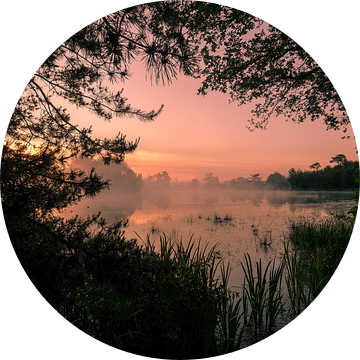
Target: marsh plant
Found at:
318, 250
262, 292
171, 298
226, 219
230, 315
296, 281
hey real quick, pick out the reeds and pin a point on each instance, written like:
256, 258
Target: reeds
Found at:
227, 219
255, 289
275, 296
296, 273
318, 250
172, 298
262, 292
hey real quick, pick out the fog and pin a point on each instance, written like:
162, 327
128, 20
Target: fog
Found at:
130, 192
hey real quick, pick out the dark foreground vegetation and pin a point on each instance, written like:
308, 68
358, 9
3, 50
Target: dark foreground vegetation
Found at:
173, 301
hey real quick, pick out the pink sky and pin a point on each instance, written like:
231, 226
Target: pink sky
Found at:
195, 134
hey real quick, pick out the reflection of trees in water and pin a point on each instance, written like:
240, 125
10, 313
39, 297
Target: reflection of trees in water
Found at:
160, 199
194, 197
211, 200
113, 206
278, 198
127, 205
236, 197
254, 197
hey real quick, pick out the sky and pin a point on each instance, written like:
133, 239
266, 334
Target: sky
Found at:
196, 134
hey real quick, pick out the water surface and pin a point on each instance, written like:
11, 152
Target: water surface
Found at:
238, 222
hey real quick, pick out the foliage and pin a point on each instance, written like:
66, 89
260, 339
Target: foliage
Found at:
83, 267
230, 327
296, 272
159, 180
262, 292
319, 249
161, 303
42, 136
211, 180
276, 181
315, 166
340, 159
354, 209
253, 61
338, 177
194, 183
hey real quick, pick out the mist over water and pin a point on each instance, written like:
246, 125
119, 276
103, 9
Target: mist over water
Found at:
238, 221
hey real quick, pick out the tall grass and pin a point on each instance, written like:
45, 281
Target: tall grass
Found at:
230, 326
296, 281
176, 301
318, 250
275, 295
222, 325
262, 292
255, 290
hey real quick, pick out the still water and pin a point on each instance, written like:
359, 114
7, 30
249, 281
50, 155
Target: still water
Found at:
238, 222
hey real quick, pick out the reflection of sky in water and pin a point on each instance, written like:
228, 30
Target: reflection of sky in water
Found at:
238, 222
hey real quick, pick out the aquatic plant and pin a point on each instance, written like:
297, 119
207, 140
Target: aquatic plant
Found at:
255, 289
170, 298
255, 230
318, 250
228, 217
217, 219
262, 292
266, 240
275, 296
230, 327
296, 276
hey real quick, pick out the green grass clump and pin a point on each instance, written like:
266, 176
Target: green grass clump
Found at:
319, 249
172, 300
262, 292
163, 302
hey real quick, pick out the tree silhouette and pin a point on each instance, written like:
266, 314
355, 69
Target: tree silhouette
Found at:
255, 62
340, 159
211, 180
43, 138
315, 166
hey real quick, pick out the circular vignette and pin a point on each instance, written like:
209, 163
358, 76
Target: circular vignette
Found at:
32, 325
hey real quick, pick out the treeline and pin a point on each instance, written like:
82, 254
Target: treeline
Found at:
342, 176
339, 177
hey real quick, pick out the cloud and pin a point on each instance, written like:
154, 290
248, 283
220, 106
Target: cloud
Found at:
186, 167
144, 157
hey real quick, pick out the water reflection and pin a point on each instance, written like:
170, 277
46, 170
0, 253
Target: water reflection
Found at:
116, 204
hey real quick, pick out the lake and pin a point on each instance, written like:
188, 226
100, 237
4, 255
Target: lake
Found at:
238, 222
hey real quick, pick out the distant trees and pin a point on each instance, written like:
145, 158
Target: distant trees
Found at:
339, 159
211, 180
255, 179
276, 181
315, 166
160, 180
194, 183
338, 177
120, 176
238, 183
